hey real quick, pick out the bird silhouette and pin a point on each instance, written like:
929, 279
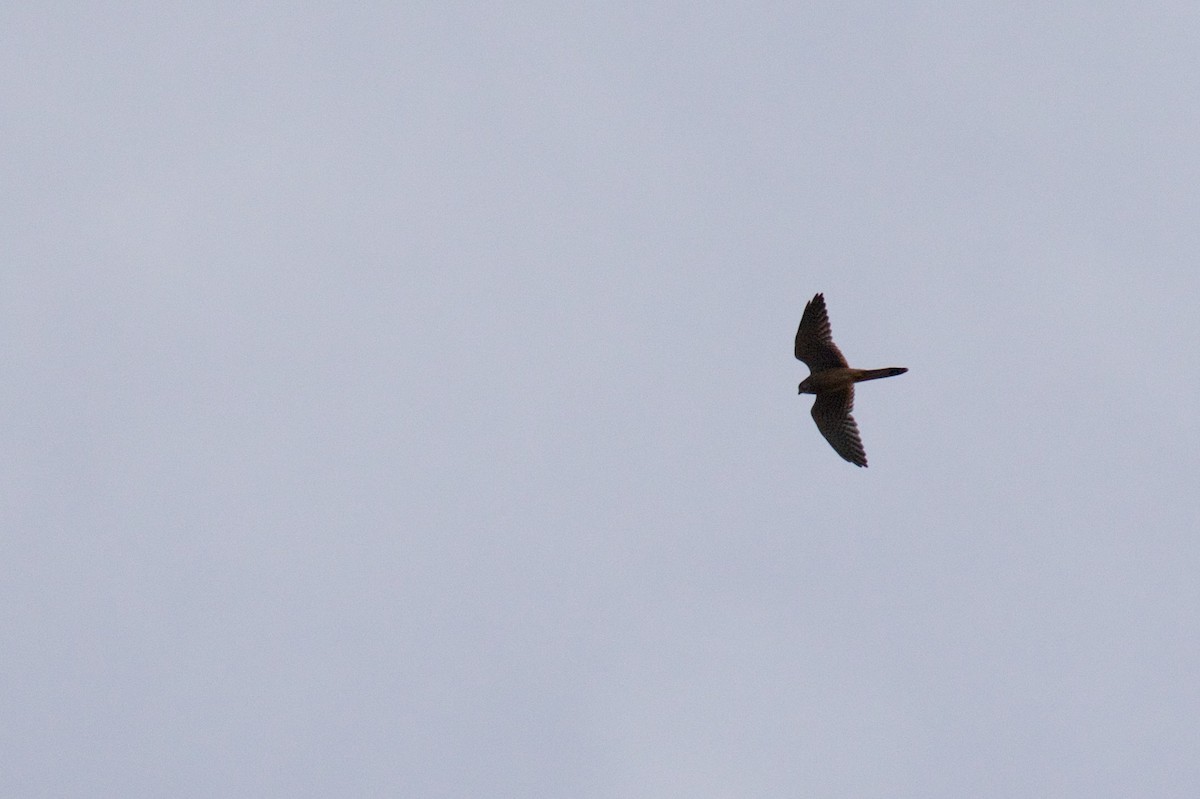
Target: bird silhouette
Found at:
832, 381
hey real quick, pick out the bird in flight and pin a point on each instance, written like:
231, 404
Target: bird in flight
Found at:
832, 380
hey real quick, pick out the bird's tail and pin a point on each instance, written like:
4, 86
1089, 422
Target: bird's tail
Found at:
875, 374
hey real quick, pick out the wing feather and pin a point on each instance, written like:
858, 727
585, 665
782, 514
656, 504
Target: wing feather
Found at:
831, 412
814, 338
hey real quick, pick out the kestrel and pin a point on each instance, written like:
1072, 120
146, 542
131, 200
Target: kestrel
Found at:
832, 380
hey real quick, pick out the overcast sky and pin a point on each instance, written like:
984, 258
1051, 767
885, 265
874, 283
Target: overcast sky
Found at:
399, 400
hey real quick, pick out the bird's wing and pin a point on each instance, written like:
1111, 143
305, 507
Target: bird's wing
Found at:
831, 412
814, 338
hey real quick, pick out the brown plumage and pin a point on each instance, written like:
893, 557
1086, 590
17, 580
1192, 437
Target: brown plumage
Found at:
832, 380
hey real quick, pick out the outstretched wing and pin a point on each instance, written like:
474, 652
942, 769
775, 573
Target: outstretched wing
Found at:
831, 412
814, 338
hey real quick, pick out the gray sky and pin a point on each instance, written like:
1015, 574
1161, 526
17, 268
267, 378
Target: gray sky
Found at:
400, 400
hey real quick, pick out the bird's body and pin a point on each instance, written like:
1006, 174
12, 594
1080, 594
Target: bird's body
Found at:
840, 377
832, 380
